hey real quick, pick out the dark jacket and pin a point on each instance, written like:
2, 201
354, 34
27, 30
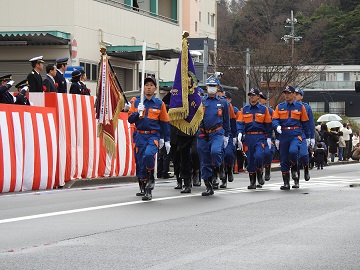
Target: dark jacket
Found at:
5, 96
61, 81
49, 84
75, 88
35, 81
333, 139
320, 155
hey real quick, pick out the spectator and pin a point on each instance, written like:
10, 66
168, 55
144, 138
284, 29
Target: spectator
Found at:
356, 152
355, 139
49, 81
346, 133
333, 140
320, 156
341, 146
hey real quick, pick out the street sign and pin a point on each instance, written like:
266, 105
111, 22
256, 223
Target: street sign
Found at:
70, 70
74, 48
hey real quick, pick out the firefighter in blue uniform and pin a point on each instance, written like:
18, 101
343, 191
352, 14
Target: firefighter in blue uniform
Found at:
213, 134
5, 84
152, 123
304, 148
229, 155
269, 152
291, 121
255, 123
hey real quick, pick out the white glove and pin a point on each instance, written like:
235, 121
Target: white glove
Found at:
161, 143
141, 108
226, 141
127, 106
277, 144
239, 137
268, 140
307, 142
167, 147
312, 142
240, 145
278, 129
234, 141
10, 83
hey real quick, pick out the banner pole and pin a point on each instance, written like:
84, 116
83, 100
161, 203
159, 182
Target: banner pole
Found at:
143, 74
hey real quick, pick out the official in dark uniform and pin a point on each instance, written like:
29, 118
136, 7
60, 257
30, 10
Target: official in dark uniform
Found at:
61, 65
83, 79
76, 87
34, 77
22, 88
5, 85
49, 81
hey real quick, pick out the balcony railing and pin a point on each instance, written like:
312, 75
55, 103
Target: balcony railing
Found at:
331, 85
147, 13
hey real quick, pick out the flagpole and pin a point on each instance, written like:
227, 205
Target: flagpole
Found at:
143, 75
118, 83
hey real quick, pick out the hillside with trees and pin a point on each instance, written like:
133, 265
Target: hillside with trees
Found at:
330, 31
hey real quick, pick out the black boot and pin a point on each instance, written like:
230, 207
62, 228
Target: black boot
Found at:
294, 172
224, 181
259, 176
222, 174
286, 179
149, 186
142, 188
267, 172
187, 183
196, 178
252, 177
230, 175
296, 184
215, 178
179, 182
209, 188
306, 173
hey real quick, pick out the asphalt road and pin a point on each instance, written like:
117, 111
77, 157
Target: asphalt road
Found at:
314, 227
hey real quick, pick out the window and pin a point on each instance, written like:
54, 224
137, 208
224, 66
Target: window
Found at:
337, 107
208, 17
346, 76
199, 16
340, 77
323, 76
90, 70
195, 26
213, 20
317, 106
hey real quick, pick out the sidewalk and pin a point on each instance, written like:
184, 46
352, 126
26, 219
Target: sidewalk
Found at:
79, 183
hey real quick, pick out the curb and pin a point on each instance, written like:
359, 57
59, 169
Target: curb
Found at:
78, 183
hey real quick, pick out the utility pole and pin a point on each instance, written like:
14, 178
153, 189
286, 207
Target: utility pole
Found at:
206, 60
247, 75
292, 21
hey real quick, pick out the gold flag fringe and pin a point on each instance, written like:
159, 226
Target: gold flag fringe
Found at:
192, 127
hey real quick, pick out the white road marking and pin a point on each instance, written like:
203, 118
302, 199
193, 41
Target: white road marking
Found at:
333, 181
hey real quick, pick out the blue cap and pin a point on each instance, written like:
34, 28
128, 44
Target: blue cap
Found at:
150, 79
212, 81
228, 95
298, 90
263, 95
254, 91
289, 89
62, 60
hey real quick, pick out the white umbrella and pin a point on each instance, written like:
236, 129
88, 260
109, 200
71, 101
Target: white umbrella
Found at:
329, 117
334, 124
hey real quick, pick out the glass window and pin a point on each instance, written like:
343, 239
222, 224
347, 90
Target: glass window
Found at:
317, 106
213, 20
199, 16
90, 70
195, 26
337, 107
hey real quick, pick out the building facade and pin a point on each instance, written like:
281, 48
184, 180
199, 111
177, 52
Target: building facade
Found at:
77, 29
